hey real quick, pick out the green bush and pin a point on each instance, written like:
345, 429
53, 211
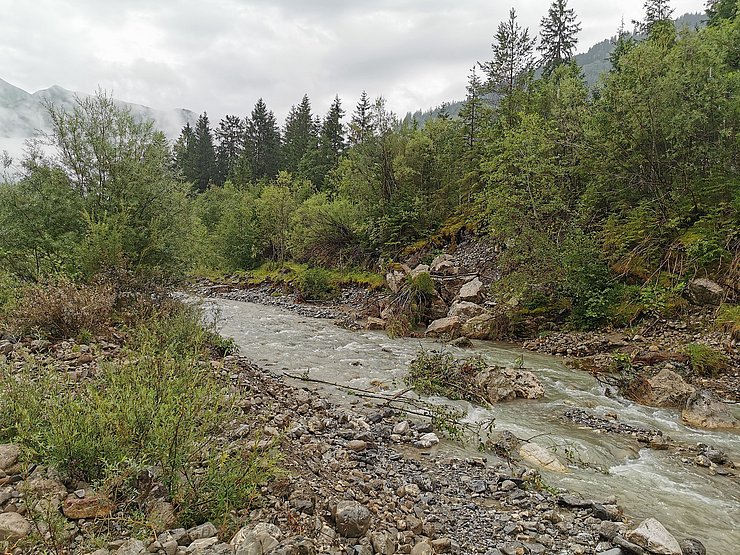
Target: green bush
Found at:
316, 284
160, 407
705, 361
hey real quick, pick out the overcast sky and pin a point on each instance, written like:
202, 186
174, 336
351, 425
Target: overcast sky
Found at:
222, 55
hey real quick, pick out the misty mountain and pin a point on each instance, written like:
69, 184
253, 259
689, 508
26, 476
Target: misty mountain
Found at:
594, 62
24, 115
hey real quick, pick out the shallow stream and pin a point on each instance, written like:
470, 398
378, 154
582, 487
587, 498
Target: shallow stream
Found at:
686, 499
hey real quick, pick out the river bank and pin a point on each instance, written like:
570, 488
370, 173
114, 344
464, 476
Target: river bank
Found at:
358, 478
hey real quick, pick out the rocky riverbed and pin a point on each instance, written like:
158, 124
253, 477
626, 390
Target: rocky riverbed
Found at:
361, 479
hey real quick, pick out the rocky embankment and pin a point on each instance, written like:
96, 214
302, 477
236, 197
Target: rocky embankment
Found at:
357, 480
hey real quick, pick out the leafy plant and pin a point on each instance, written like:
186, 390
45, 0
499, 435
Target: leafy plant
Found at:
706, 361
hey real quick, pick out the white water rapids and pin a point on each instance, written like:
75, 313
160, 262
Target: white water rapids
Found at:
686, 499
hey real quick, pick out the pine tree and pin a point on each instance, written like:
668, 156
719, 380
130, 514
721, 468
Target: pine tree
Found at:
558, 32
512, 61
230, 135
204, 159
262, 142
362, 125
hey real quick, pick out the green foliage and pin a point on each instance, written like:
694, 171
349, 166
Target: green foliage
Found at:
728, 319
159, 406
705, 361
439, 373
60, 309
316, 283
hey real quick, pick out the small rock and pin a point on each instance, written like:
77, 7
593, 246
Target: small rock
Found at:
357, 445
9, 454
692, 546
91, 506
352, 519
540, 456
401, 428
206, 530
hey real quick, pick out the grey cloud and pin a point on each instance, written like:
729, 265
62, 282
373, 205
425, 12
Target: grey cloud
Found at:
221, 56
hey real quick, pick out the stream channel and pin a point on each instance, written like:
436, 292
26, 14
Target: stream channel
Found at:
687, 500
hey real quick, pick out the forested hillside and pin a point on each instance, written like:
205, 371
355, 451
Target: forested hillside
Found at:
604, 200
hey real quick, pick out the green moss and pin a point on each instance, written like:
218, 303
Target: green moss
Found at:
705, 361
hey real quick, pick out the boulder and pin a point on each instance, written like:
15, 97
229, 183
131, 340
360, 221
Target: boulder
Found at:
13, 527
9, 454
653, 536
441, 264
704, 410
205, 530
396, 276
132, 547
505, 384
472, 291
541, 456
420, 269
257, 540
352, 519
90, 506
667, 389
444, 326
383, 543
704, 291
465, 310
375, 324
692, 546
485, 326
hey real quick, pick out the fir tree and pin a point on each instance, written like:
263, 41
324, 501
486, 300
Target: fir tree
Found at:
558, 32
473, 108
300, 135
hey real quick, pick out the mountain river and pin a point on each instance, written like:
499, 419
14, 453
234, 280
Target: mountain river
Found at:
686, 499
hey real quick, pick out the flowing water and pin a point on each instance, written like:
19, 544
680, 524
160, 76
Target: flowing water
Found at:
686, 499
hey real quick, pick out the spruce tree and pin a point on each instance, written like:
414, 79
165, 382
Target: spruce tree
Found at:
362, 125
300, 135
204, 156
558, 32
184, 153
262, 142
473, 109
230, 136
332, 141
657, 16
513, 60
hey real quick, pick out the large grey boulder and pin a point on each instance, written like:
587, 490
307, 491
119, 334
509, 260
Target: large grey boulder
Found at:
485, 326
444, 326
352, 519
704, 410
132, 547
472, 291
505, 384
667, 389
442, 264
653, 536
13, 527
257, 540
465, 310
704, 291
538, 455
